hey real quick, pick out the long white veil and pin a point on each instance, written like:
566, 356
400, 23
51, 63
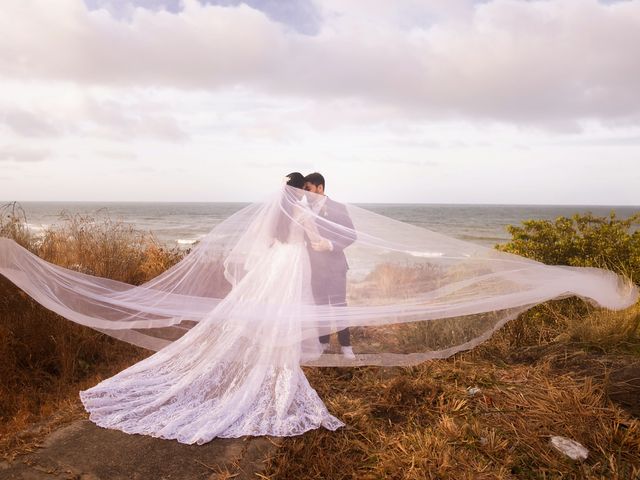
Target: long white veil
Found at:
411, 294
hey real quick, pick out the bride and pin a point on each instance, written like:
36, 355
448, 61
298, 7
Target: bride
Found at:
234, 320
227, 377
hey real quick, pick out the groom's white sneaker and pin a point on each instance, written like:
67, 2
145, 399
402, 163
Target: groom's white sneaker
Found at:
325, 347
347, 352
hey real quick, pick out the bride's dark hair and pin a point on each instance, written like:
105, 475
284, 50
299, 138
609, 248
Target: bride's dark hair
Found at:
296, 180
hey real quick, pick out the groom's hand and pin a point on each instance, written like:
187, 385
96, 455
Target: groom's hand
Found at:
322, 245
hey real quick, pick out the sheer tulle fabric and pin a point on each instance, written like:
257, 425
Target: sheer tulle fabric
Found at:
411, 294
235, 319
218, 381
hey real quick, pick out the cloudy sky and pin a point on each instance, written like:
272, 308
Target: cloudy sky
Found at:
434, 101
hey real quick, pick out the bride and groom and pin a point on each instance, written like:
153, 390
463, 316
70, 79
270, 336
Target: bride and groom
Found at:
237, 372
237, 369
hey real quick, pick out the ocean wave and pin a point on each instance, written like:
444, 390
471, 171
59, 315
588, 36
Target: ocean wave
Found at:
36, 229
427, 254
186, 241
190, 241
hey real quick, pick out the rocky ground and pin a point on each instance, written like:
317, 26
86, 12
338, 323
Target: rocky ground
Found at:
84, 451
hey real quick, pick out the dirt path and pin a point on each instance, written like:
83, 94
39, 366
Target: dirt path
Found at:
84, 451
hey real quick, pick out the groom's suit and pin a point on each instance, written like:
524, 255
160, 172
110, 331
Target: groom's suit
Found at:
329, 268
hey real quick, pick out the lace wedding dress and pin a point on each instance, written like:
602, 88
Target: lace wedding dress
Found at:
230, 375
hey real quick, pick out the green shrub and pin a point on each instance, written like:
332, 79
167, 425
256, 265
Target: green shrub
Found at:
583, 240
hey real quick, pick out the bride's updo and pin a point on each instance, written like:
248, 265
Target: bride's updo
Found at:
296, 180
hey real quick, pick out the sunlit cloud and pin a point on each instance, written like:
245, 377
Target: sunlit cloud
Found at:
440, 96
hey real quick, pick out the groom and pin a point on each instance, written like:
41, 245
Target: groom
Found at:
328, 262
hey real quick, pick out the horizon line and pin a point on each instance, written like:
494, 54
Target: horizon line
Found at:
5, 202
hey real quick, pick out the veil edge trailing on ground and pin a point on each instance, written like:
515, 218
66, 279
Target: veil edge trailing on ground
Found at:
412, 294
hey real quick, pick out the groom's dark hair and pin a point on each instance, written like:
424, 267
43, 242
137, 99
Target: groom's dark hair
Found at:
315, 178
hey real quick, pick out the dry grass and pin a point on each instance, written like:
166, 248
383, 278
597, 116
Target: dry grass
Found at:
562, 369
46, 359
415, 423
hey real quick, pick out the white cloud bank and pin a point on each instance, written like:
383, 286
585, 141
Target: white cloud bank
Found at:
510, 60
432, 94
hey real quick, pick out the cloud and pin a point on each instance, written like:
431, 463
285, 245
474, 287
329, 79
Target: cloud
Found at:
121, 155
27, 123
111, 118
61, 109
11, 153
543, 63
618, 141
299, 15
294, 164
124, 9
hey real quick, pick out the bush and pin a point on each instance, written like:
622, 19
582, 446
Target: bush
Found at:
13, 224
46, 358
581, 241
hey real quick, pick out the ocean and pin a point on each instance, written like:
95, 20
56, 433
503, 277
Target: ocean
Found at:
182, 224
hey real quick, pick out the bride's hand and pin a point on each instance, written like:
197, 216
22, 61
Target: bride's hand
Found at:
322, 245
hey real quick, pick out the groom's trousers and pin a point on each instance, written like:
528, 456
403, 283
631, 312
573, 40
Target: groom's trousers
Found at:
331, 289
